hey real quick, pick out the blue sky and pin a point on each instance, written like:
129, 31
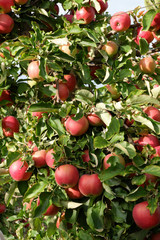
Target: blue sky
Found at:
123, 5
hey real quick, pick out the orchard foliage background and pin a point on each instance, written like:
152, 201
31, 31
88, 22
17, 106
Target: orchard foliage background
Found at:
37, 34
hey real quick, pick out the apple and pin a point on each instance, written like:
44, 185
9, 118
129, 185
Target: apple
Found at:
120, 22
30, 145
69, 17
155, 25
93, 71
147, 139
51, 210
37, 114
144, 34
63, 91
147, 65
111, 48
8, 48
85, 13
113, 90
77, 128
21, 2
6, 23
10, 125
50, 159
56, 8
90, 185
103, 5
143, 218
155, 236
33, 70
2, 208
6, 96
85, 156
74, 193
39, 158
107, 165
67, 176
150, 178
18, 170
94, 120
71, 81
5, 6
129, 122
153, 113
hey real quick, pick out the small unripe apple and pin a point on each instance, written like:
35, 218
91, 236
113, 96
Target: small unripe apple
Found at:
120, 21
94, 120
6, 24
107, 165
63, 91
153, 113
77, 128
111, 48
71, 81
2, 208
10, 125
21, 2
6, 96
18, 170
33, 70
85, 13
147, 65
155, 236
144, 34
39, 158
74, 193
67, 176
85, 156
50, 159
5, 6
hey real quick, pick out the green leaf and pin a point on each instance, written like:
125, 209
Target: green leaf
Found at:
12, 156
83, 235
105, 117
70, 204
85, 73
118, 213
84, 96
35, 190
51, 229
136, 194
67, 4
87, 43
147, 19
96, 5
139, 180
42, 107
113, 128
143, 45
111, 172
153, 170
63, 56
140, 235
9, 194
124, 73
126, 148
141, 100
22, 187
71, 215
100, 142
74, 29
56, 125
138, 160
44, 204
108, 193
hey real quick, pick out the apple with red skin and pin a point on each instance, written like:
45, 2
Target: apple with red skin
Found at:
103, 5
90, 185
10, 125
120, 22
93, 71
144, 34
85, 13
51, 210
94, 120
63, 91
6, 23
37, 114
155, 25
69, 17
67, 176
155, 236
111, 48
147, 65
50, 159
153, 113
85, 156
143, 218
129, 122
113, 90
18, 170
39, 158
56, 8
107, 165
30, 144
77, 128
147, 139
74, 193
33, 70
5, 6
2, 208
6, 96
71, 81
21, 2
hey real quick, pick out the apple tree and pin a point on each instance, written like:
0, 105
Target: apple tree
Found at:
80, 121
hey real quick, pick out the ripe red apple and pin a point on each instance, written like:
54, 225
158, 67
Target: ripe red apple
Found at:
120, 21
51, 210
18, 170
113, 90
6, 96
10, 125
155, 236
85, 13
39, 158
147, 65
107, 165
143, 218
30, 144
93, 71
6, 23
74, 193
77, 128
103, 5
37, 114
69, 17
50, 159
144, 34
85, 156
90, 185
21, 2
33, 70
129, 122
66, 176
63, 91
94, 120
153, 113
111, 48
56, 8
150, 178
155, 25
71, 81
2, 208
147, 139
5, 6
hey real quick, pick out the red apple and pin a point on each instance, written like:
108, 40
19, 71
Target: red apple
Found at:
94, 120
2, 208
155, 25
153, 113
74, 193
10, 125
77, 128
30, 145
129, 122
113, 90
37, 114
33, 70
63, 91
103, 5
71, 81
18, 170
66, 176
111, 48
5, 6
85, 13
147, 65
69, 17
143, 218
51, 210
107, 165
50, 159
6, 96
8, 48
56, 8
155, 236
90, 185
120, 22
150, 178
144, 34
148, 139
85, 156
39, 158
93, 71
21, 2
6, 23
